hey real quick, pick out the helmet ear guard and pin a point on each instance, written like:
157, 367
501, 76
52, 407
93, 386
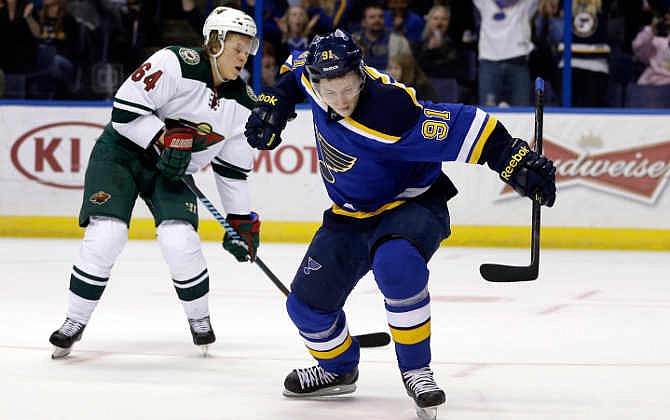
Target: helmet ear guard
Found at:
223, 20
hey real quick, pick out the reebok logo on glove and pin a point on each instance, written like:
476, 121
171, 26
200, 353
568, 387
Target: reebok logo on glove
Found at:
514, 162
272, 100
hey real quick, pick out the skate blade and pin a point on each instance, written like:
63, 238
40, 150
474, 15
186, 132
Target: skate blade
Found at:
427, 413
60, 352
326, 392
204, 349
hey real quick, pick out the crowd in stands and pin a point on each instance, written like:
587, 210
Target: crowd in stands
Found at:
483, 52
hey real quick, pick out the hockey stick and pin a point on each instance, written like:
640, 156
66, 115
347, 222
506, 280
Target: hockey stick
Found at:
510, 273
377, 339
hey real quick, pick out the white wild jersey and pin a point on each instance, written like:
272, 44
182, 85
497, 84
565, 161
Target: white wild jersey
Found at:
175, 87
175, 84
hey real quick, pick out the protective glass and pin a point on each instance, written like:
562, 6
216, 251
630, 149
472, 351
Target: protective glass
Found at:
253, 46
333, 93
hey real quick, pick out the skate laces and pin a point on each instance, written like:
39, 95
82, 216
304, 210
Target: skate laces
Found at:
420, 380
314, 376
200, 325
70, 327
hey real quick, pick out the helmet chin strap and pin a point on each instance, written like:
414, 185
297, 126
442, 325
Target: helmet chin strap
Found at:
214, 57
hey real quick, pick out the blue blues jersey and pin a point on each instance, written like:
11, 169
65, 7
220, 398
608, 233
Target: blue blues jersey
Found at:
392, 146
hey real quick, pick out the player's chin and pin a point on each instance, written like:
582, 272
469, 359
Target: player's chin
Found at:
344, 112
233, 73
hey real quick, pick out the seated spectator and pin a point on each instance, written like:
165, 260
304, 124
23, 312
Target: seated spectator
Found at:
19, 31
296, 29
377, 42
437, 54
652, 47
403, 68
268, 65
398, 18
58, 50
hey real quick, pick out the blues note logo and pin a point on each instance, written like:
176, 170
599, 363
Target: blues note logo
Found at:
331, 159
312, 265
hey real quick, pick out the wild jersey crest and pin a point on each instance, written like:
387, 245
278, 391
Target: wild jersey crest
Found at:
332, 159
189, 56
206, 137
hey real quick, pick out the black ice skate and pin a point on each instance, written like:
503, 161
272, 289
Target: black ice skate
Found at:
64, 337
316, 382
203, 335
427, 396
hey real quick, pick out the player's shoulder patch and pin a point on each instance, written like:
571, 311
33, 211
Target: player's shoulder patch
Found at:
251, 93
193, 63
189, 56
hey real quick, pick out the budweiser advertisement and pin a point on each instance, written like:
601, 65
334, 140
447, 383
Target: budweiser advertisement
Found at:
638, 173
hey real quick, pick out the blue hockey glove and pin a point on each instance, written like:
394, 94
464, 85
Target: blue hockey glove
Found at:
530, 174
248, 227
176, 154
268, 119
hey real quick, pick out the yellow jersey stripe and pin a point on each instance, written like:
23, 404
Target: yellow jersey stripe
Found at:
481, 141
284, 68
411, 336
331, 354
369, 130
362, 214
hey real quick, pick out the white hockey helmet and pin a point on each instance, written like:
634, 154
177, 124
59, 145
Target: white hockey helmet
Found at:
226, 19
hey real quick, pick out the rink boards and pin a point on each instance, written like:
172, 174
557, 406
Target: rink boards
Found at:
613, 169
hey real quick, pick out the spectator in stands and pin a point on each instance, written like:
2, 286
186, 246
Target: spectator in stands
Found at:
543, 60
438, 55
296, 29
272, 10
332, 14
403, 68
398, 18
504, 45
269, 65
379, 43
652, 47
590, 53
58, 50
19, 31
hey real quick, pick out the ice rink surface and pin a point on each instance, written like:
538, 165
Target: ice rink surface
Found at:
589, 340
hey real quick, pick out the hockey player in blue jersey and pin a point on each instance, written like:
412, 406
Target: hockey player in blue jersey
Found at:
380, 152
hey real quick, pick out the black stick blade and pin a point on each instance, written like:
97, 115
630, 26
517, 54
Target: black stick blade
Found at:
508, 273
379, 339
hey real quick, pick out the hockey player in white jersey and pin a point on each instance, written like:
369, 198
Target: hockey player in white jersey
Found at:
181, 110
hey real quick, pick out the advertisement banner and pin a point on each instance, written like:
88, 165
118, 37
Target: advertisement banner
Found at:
612, 170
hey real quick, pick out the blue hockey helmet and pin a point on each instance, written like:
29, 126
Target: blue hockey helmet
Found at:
333, 55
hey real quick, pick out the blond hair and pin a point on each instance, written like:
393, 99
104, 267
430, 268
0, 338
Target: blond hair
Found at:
588, 6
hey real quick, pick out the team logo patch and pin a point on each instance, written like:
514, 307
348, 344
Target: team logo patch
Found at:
312, 265
189, 56
585, 24
100, 198
251, 93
